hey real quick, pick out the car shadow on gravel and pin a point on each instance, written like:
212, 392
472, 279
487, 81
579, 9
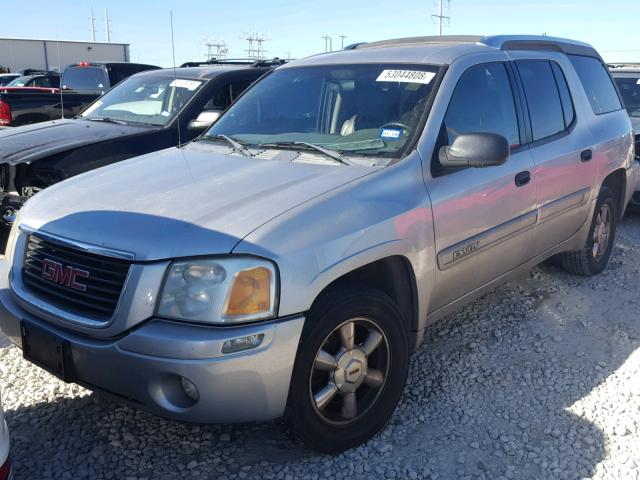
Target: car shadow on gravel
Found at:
496, 391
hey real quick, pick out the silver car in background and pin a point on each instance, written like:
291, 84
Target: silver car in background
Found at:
288, 262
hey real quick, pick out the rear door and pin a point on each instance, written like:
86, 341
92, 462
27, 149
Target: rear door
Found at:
484, 218
561, 145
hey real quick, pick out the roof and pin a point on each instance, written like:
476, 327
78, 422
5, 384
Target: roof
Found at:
200, 72
445, 49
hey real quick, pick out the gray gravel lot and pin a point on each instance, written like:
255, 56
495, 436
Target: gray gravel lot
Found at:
538, 379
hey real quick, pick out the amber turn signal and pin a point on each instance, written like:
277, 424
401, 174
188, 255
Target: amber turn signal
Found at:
250, 293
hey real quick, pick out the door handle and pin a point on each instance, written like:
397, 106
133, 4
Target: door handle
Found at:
586, 155
523, 178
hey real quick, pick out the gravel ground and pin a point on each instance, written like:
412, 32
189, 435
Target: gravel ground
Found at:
538, 379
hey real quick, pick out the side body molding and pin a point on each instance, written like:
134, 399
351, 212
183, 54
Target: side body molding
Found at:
490, 238
561, 205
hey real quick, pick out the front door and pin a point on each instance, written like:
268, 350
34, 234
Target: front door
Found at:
484, 218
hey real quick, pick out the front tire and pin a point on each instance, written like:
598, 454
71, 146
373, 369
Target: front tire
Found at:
350, 369
594, 256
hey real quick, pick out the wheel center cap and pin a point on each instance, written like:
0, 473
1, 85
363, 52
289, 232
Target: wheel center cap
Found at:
351, 370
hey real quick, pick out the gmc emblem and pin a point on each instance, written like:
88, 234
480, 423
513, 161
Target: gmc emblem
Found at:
57, 273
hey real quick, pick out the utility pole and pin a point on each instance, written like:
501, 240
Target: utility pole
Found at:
328, 43
106, 26
220, 46
255, 50
342, 37
440, 18
93, 25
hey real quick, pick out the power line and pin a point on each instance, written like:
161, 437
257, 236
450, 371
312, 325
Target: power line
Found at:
441, 18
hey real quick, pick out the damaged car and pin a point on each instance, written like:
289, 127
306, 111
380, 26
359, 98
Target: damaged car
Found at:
147, 112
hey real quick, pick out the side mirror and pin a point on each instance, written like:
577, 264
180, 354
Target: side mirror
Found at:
204, 120
475, 150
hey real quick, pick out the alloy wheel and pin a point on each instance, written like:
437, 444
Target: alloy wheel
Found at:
350, 370
601, 232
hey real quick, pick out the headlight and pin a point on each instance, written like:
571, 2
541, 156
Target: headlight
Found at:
219, 290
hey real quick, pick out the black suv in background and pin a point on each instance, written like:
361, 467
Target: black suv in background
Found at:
147, 112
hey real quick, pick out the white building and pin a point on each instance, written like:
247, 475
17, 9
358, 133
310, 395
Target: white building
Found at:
21, 53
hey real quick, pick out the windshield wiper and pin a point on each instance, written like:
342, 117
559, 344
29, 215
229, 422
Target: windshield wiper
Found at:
333, 154
234, 143
106, 120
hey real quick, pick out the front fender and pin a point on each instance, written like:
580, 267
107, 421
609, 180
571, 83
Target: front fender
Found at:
381, 215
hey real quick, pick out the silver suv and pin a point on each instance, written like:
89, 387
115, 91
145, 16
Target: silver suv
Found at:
288, 261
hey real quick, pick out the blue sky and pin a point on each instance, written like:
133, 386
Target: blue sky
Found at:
612, 26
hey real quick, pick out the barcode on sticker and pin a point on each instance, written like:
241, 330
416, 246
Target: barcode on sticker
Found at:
406, 76
188, 84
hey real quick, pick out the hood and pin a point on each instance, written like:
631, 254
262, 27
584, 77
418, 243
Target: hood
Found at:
179, 202
32, 142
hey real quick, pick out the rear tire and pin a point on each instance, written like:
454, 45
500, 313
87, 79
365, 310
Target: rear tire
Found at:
594, 256
350, 370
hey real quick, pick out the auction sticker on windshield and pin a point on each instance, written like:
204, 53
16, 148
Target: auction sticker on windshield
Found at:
188, 84
406, 76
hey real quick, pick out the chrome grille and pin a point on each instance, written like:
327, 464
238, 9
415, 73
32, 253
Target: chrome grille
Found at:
79, 282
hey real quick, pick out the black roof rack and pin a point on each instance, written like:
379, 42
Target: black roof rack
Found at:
274, 62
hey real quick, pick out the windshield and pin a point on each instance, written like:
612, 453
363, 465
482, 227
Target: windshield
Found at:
146, 99
19, 82
6, 79
630, 90
85, 79
370, 109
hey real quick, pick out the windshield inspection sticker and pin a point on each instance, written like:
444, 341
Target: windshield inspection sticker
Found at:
182, 83
390, 134
406, 76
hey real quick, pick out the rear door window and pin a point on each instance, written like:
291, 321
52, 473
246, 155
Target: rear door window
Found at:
543, 98
85, 79
483, 102
597, 84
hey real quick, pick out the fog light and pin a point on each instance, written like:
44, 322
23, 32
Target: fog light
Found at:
190, 389
242, 343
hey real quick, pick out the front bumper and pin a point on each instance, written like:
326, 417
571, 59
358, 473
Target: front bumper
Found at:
144, 365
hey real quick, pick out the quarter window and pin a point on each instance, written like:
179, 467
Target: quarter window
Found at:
565, 95
597, 84
482, 102
543, 98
